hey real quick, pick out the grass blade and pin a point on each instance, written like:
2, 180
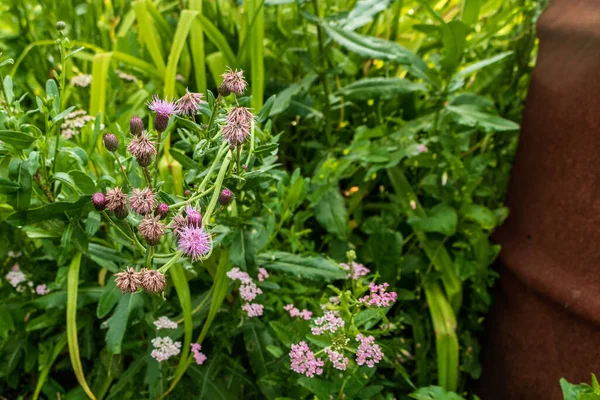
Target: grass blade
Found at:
100, 67
217, 38
148, 35
197, 46
46, 370
183, 29
183, 291
72, 286
256, 12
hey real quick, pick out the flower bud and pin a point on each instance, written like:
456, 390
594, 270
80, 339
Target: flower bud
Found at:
187, 193
111, 142
121, 212
161, 121
136, 126
194, 218
162, 210
152, 281
99, 201
223, 90
60, 25
225, 197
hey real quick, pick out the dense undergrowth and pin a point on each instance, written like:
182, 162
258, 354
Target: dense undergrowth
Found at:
378, 153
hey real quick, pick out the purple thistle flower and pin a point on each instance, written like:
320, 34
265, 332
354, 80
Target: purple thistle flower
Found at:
116, 199
194, 218
99, 201
163, 110
237, 127
233, 82
142, 149
225, 197
194, 242
189, 103
142, 201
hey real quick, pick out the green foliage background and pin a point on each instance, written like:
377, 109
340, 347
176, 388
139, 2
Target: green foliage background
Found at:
396, 122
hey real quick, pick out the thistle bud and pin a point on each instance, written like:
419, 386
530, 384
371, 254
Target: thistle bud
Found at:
162, 210
60, 25
136, 126
194, 218
111, 142
225, 197
161, 121
187, 193
223, 90
121, 212
99, 201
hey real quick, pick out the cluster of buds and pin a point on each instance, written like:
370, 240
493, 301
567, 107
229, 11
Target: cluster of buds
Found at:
130, 281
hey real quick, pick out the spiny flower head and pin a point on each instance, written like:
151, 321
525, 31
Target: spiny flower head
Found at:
142, 201
189, 103
115, 199
194, 218
359, 270
253, 310
339, 361
165, 323
379, 296
237, 126
142, 148
194, 242
151, 229
368, 352
128, 281
164, 348
303, 360
99, 201
329, 322
163, 110
177, 224
152, 281
233, 82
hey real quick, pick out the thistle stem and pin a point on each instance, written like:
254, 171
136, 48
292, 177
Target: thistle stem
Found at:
121, 167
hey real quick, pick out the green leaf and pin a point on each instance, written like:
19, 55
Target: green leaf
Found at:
288, 333
18, 140
19, 171
331, 213
363, 12
216, 37
480, 214
442, 219
46, 212
186, 18
117, 324
83, 182
183, 292
574, 392
454, 35
476, 66
385, 250
320, 388
60, 116
98, 92
386, 88
256, 339
8, 186
53, 93
470, 11
148, 35
472, 116
110, 297
309, 267
434, 393
197, 47
183, 159
72, 288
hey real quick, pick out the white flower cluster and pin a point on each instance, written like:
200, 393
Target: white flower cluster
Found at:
165, 323
164, 348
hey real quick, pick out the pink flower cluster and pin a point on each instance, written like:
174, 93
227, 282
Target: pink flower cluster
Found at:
262, 274
42, 289
248, 291
199, 357
329, 322
379, 296
368, 352
15, 276
253, 309
303, 360
164, 348
165, 323
294, 312
339, 361
358, 269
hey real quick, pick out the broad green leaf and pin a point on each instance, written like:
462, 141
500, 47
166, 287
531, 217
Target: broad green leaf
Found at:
8, 185
385, 250
53, 93
148, 35
476, 66
197, 48
470, 11
331, 213
216, 37
18, 140
434, 393
309, 267
47, 211
574, 392
117, 323
183, 292
60, 116
386, 88
363, 12
98, 92
19, 171
454, 35
256, 339
83, 182
289, 333
441, 219
319, 387
110, 297
184, 25
472, 116
72, 288
480, 214
183, 159
256, 17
